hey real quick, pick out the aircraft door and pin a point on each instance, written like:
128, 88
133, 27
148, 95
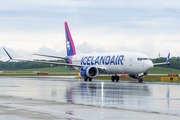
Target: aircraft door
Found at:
131, 61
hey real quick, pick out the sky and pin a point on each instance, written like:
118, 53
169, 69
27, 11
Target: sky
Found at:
144, 26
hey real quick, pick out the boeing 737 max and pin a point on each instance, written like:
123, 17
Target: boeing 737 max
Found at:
135, 64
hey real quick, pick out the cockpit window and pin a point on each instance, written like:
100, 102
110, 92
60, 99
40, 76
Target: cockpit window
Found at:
143, 59
139, 59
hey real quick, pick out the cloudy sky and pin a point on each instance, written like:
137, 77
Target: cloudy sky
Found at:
149, 27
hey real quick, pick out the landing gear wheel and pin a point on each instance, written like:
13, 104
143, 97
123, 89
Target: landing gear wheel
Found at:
117, 78
90, 79
140, 80
85, 79
113, 78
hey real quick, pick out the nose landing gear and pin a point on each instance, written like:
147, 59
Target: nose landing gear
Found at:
141, 76
140, 80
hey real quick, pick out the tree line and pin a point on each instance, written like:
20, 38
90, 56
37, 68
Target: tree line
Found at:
24, 65
174, 63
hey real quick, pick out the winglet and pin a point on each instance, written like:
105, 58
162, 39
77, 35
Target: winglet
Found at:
167, 61
8, 55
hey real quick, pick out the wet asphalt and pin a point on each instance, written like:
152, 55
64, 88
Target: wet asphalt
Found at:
61, 97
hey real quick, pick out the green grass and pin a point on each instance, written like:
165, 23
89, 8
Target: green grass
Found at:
162, 70
51, 69
38, 75
147, 78
155, 70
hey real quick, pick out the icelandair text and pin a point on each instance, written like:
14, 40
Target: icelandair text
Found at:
102, 60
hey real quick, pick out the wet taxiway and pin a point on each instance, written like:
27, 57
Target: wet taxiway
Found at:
68, 98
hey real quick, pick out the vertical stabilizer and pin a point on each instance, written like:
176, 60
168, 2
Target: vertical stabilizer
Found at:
69, 42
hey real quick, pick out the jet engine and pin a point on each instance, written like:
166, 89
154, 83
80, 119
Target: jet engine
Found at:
89, 72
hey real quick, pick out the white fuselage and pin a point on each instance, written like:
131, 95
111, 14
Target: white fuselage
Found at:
115, 63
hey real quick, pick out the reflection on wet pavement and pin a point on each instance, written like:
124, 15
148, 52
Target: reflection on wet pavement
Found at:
132, 96
154, 98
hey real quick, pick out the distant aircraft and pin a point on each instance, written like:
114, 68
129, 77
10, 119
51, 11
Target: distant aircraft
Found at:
136, 65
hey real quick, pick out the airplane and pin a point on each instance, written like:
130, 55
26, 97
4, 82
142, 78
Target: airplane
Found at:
135, 64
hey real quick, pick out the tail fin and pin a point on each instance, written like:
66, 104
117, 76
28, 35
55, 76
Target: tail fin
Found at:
69, 42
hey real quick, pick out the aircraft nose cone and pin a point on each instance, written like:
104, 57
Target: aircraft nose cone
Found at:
149, 66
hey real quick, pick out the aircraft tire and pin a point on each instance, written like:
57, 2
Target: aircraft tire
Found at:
117, 78
140, 80
113, 78
90, 79
85, 79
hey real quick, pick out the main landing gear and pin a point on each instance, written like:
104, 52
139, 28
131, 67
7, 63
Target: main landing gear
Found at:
86, 79
115, 78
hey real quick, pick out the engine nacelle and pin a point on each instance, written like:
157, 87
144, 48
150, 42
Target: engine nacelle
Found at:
89, 72
132, 76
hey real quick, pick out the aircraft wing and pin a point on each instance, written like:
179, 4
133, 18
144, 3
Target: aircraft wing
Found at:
161, 63
50, 56
53, 63
167, 61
